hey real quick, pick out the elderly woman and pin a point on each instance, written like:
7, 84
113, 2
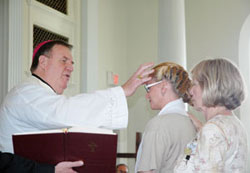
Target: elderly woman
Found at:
221, 144
166, 134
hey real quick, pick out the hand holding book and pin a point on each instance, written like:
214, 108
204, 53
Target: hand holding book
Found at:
66, 167
96, 147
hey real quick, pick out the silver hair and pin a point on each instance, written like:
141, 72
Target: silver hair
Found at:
221, 82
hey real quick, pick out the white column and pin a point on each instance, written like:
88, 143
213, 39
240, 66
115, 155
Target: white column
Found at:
89, 45
171, 38
244, 64
15, 43
4, 19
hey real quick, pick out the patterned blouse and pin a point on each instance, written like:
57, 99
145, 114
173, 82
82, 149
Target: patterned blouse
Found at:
220, 146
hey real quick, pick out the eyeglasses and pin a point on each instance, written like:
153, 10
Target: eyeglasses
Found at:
147, 87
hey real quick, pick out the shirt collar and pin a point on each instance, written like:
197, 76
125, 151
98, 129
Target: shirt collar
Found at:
176, 106
43, 82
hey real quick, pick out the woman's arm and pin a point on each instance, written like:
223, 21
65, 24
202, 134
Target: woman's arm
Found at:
197, 123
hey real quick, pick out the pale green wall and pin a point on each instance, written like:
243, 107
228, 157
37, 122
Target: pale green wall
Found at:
112, 44
213, 28
127, 38
143, 40
112, 50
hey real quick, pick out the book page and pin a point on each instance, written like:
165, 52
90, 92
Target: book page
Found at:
41, 132
90, 130
71, 129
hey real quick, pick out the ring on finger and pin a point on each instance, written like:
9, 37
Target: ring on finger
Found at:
139, 77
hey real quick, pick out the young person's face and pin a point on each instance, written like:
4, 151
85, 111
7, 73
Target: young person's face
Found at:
154, 94
58, 68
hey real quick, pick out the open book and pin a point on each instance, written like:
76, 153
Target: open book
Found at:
96, 147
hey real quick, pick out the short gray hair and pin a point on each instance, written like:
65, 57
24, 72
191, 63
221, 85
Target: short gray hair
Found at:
221, 82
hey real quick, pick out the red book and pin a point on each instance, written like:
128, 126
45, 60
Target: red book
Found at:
96, 147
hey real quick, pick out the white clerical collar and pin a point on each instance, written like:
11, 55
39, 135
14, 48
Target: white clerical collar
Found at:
176, 106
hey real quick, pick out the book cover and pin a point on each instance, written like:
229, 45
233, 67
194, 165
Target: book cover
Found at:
96, 147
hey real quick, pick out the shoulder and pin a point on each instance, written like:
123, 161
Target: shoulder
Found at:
168, 121
26, 91
223, 127
211, 127
26, 85
217, 124
212, 131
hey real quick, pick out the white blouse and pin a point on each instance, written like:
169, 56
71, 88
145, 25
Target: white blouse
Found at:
220, 146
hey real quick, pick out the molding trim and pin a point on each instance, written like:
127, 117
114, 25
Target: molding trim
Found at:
89, 45
244, 63
15, 43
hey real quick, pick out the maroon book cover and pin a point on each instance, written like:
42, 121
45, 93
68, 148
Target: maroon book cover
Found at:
97, 150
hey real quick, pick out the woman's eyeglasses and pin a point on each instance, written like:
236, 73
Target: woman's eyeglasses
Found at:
148, 86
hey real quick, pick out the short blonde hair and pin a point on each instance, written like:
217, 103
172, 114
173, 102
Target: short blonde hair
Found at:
177, 76
221, 82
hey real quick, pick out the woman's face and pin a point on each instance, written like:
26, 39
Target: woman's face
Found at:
196, 93
154, 94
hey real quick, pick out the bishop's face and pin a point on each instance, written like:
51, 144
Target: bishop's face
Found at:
58, 68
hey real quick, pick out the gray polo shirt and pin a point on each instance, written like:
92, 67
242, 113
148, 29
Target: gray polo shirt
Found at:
165, 138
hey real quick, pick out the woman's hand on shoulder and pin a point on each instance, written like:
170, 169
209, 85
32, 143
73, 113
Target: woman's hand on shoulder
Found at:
197, 123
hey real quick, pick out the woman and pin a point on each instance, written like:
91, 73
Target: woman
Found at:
221, 144
164, 138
